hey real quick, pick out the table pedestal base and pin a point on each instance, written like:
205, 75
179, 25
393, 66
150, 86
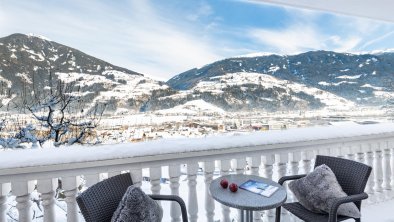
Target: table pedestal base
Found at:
246, 216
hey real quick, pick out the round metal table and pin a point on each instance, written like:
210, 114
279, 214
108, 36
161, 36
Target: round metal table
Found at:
245, 200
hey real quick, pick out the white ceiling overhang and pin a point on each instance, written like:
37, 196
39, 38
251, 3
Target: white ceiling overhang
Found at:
373, 9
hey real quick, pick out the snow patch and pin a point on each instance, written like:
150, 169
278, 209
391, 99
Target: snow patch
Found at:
39, 36
348, 77
34, 55
24, 77
194, 107
273, 69
373, 87
255, 54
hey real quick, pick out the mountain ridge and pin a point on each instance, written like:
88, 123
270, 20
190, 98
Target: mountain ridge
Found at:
310, 80
354, 77
30, 62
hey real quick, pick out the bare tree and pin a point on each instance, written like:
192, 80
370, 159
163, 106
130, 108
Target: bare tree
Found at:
60, 113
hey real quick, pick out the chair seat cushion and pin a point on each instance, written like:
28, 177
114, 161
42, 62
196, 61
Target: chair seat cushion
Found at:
136, 206
319, 189
306, 215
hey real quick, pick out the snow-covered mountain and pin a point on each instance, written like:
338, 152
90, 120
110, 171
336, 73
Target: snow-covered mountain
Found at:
311, 80
365, 79
30, 62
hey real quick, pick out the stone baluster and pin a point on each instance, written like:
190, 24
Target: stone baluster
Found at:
174, 172
281, 163
360, 157
22, 192
341, 150
306, 157
5, 189
209, 167
377, 167
254, 169
239, 166
224, 170
136, 177
391, 144
70, 186
266, 168
294, 160
386, 166
155, 175
350, 152
366, 147
281, 160
92, 179
47, 189
192, 206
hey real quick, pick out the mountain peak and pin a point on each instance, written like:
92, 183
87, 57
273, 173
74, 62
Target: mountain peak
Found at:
39, 36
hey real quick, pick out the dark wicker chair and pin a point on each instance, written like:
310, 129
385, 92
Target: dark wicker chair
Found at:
99, 202
351, 175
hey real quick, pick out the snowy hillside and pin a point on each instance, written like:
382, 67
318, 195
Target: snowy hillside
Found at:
283, 88
33, 62
364, 78
194, 108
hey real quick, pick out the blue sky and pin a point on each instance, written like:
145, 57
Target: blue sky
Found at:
163, 38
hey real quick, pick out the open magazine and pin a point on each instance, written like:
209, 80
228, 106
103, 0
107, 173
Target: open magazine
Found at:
259, 188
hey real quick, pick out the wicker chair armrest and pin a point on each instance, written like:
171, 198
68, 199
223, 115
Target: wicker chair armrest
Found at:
348, 199
292, 177
172, 198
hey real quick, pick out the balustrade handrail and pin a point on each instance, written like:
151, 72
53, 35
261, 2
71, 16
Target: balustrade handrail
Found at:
24, 164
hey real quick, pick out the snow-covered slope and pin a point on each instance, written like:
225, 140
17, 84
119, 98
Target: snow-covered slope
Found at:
33, 62
342, 74
281, 88
194, 107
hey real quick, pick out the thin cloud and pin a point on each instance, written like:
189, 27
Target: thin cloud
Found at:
291, 40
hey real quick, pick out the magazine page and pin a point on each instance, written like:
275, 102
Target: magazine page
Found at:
259, 188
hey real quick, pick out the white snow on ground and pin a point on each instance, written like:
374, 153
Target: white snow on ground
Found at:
219, 83
120, 85
38, 36
336, 84
348, 77
256, 54
8, 82
379, 212
35, 56
373, 87
193, 107
38, 157
273, 68
82, 79
26, 78
384, 94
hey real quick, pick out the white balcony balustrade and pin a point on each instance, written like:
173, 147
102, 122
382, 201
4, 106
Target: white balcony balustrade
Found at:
189, 166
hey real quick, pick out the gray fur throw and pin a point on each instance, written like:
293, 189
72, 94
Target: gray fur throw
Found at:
136, 206
317, 191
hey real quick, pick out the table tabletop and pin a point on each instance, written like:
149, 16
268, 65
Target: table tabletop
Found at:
243, 199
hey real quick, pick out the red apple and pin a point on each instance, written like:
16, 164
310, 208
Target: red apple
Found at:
233, 187
224, 183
